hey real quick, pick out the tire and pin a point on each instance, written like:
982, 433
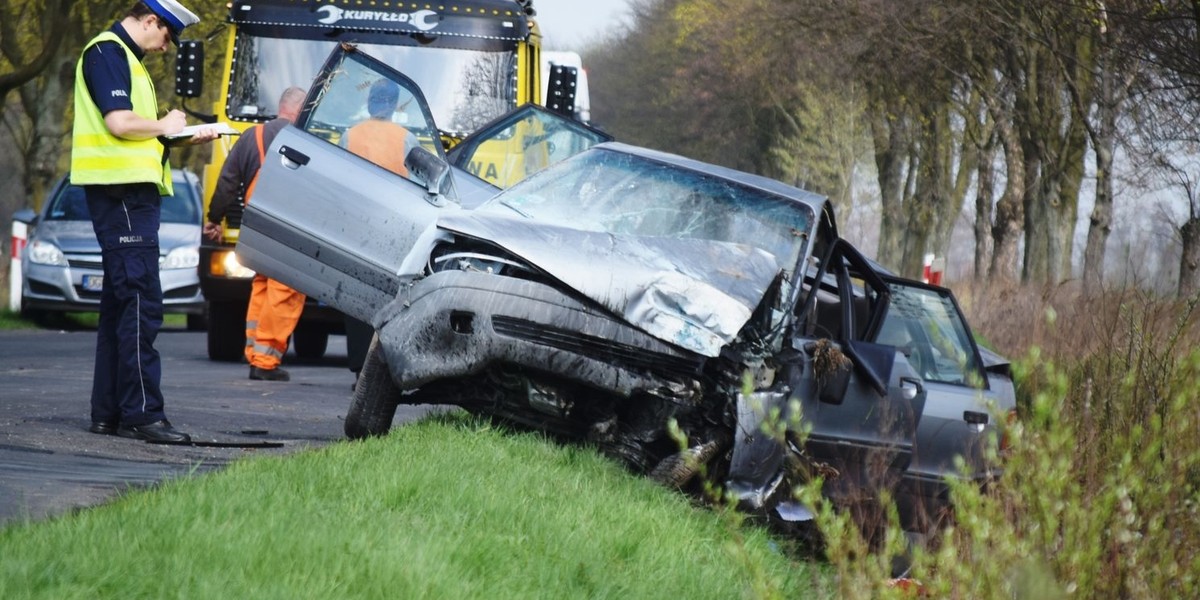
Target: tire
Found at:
41, 318
226, 331
309, 341
373, 405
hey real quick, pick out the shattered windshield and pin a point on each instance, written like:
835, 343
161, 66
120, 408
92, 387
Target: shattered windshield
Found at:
615, 192
465, 88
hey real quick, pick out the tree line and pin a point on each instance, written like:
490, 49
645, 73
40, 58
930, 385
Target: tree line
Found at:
998, 109
40, 43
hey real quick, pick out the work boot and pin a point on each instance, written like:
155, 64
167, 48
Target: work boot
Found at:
275, 374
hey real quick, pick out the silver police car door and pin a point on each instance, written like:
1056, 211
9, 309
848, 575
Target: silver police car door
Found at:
330, 223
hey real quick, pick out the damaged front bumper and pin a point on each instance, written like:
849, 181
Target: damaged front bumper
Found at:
457, 324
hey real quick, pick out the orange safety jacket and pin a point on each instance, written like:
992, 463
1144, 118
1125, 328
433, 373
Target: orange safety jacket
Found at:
381, 142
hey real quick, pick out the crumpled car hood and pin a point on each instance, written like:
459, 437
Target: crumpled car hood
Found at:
696, 294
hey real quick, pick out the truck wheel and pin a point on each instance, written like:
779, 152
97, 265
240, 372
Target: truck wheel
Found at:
197, 323
309, 341
226, 331
373, 405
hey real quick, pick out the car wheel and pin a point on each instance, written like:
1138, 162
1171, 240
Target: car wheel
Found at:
226, 331
310, 341
676, 470
40, 318
373, 405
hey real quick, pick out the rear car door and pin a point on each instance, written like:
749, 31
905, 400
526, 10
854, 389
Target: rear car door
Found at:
328, 222
927, 325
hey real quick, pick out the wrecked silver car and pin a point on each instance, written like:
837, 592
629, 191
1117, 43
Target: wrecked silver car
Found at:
620, 292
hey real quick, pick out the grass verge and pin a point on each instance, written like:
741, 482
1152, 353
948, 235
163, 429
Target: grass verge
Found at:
446, 508
10, 320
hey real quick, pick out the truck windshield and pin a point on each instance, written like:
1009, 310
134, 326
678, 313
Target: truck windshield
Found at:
465, 88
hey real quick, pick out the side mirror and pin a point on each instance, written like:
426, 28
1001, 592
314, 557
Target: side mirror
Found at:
427, 167
26, 216
560, 92
189, 69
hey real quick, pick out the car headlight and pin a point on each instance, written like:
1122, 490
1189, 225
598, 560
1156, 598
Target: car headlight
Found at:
183, 257
224, 263
45, 253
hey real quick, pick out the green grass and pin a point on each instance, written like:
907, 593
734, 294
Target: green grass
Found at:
448, 508
10, 320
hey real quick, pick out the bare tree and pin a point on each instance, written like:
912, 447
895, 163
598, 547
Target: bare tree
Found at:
1006, 100
1164, 37
30, 36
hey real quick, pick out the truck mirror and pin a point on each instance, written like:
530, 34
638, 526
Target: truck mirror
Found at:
430, 168
560, 93
189, 69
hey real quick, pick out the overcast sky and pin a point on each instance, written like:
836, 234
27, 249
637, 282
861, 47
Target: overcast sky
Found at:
570, 24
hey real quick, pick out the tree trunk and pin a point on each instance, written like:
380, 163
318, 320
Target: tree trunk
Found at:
931, 193
985, 196
1102, 213
1006, 232
1189, 262
961, 153
47, 29
45, 102
890, 157
1113, 89
1071, 169
1035, 216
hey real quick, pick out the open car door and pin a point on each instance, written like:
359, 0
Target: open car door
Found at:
521, 143
861, 399
337, 226
330, 223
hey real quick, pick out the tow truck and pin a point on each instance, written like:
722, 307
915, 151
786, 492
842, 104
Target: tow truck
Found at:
475, 60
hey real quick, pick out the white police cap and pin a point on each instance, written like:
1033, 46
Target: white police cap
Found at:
174, 15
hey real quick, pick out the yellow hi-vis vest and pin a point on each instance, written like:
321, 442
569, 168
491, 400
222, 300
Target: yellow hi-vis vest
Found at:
100, 158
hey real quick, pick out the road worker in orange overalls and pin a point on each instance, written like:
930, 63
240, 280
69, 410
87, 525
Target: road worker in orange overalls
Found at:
274, 308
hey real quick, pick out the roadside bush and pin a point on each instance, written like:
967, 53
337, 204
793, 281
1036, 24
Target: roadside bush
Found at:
1101, 492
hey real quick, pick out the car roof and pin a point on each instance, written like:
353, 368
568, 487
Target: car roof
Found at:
177, 175
813, 200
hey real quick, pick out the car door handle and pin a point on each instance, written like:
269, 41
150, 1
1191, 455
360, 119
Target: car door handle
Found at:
975, 417
911, 387
295, 158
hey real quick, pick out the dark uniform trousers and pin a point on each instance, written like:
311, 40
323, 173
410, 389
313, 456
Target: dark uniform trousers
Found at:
125, 385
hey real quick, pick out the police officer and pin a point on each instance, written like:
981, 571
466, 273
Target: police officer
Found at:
117, 157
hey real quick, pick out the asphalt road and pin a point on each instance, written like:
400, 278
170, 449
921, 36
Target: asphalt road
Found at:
51, 464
